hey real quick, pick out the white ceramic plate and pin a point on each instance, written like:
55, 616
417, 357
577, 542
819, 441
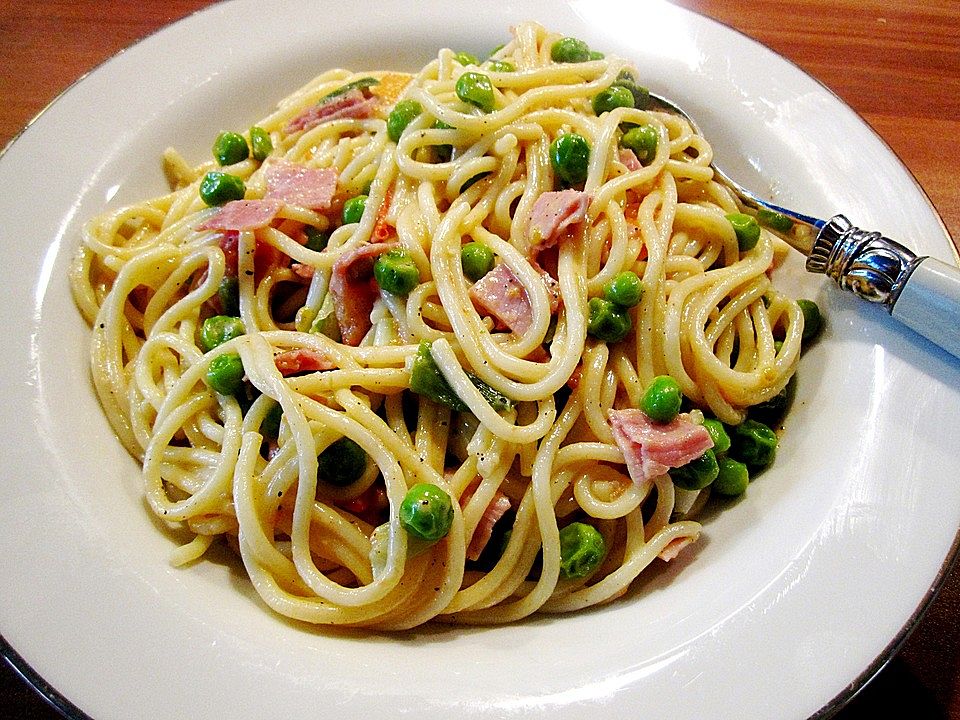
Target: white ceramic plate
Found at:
796, 594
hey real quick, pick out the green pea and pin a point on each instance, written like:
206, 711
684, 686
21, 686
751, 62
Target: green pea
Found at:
426, 512
217, 188
608, 321
696, 474
746, 228
570, 158
341, 463
476, 260
812, 319
582, 548
661, 400
612, 98
643, 140
596, 55
501, 66
396, 272
569, 50
353, 209
718, 433
732, 477
475, 88
771, 412
225, 373
641, 96
403, 113
229, 295
219, 329
260, 142
316, 239
625, 290
772, 219
270, 425
230, 148
753, 444
465, 58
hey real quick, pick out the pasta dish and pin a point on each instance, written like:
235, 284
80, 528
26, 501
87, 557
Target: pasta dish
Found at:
462, 345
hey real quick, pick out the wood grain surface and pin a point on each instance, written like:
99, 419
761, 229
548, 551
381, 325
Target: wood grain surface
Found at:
896, 62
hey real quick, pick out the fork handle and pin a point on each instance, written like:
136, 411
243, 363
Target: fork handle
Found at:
929, 303
921, 292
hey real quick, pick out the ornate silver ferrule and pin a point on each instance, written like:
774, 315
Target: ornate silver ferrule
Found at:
867, 264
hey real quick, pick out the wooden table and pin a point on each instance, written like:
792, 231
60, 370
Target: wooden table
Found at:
897, 62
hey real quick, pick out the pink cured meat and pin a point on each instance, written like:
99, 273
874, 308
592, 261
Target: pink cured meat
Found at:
501, 294
241, 215
628, 159
552, 214
355, 291
351, 104
301, 360
492, 513
650, 448
298, 185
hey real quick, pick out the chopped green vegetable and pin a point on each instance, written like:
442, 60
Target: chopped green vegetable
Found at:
341, 463
776, 221
260, 142
643, 140
662, 398
570, 158
217, 188
228, 293
746, 228
316, 239
812, 319
612, 98
360, 84
696, 474
608, 321
753, 444
396, 272
426, 512
225, 373
475, 88
403, 113
427, 380
625, 290
353, 209
570, 50
641, 96
582, 548
270, 426
219, 329
733, 477
476, 259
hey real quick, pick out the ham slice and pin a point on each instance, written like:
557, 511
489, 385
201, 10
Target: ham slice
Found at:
351, 104
238, 215
298, 185
355, 291
552, 214
492, 513
628, 158
300, 360
674, 547
650, 448
501, 294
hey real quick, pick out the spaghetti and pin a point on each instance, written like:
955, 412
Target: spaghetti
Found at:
349, 308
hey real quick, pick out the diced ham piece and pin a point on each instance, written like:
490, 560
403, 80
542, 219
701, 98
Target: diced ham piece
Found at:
291, 362
501, 294
674, 547
265, 256
492, 513
552, 214
351, 104
298, 185
629, 159
355, 291
650, 448
239, 215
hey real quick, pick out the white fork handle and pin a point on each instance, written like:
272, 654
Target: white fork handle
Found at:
929, 303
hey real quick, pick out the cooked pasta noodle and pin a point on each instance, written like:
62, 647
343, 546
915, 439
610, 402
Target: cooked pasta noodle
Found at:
217, 464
